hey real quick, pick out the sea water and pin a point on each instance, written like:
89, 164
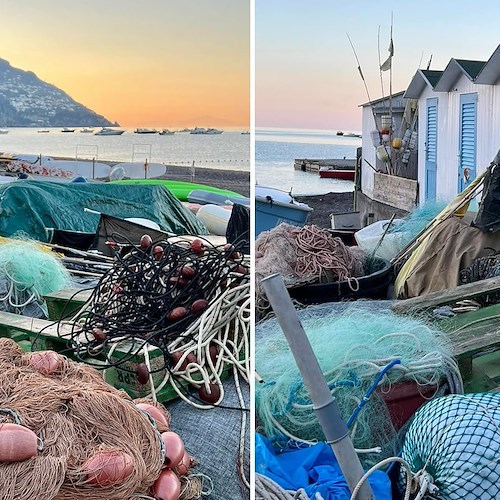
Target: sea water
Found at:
276, 150
228, 151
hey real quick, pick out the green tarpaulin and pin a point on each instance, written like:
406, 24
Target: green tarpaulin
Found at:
32, 206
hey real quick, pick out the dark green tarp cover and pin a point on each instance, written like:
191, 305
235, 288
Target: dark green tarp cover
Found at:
32, 206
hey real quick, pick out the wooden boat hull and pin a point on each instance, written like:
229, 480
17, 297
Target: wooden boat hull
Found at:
347, 175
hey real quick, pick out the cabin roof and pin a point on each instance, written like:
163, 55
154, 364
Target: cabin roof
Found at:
454, 70
383, 100
423, 78
490, 72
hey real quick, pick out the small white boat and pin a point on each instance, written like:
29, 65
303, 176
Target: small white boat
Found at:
43, 131
109, 131
166, 131
66, 129
245, 133
3, 131
145, 131
206, 131
87, 130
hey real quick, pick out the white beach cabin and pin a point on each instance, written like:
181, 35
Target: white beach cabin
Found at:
459, 124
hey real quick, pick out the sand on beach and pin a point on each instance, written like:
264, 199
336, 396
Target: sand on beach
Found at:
326, 204
235, 180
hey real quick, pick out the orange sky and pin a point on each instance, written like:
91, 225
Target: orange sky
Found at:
149, 63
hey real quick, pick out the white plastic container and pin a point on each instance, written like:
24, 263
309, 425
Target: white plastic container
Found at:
215, 218
369, 237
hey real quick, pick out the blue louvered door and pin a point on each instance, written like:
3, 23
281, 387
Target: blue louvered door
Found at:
467, 140
431, 149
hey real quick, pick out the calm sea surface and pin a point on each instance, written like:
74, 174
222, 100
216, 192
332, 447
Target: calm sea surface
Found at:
276, 150
230, 150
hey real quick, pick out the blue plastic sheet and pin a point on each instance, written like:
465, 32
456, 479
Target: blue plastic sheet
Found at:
314, 468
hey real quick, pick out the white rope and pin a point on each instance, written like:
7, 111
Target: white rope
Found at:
381, 464
225, 324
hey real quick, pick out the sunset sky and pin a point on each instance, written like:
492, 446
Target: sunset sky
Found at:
141, 63
306, 73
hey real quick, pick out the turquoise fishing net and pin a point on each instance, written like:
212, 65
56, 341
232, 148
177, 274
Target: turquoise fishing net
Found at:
410, 226
456, 439
28, 273
353, 342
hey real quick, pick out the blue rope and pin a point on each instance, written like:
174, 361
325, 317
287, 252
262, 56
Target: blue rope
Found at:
369, 392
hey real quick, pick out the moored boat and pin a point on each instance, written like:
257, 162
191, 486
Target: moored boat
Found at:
273, 206
66, 129
206, 131
109, 131
337, 173
166, 131
145, 131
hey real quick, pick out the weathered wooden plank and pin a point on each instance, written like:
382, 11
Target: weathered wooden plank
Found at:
65, 303
441, 298
395, 191
473, 340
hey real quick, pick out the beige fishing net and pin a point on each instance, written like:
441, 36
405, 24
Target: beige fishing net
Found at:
75, 414
308, 253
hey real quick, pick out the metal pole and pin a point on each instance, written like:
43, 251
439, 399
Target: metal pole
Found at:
324, 404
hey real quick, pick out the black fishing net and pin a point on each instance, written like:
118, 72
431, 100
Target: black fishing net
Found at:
488, 216
238, 227
152, 295
480, 269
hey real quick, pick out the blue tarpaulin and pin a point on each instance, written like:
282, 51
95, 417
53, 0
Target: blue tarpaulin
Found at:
314, 469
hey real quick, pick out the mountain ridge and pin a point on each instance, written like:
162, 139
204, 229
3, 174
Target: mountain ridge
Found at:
28, 101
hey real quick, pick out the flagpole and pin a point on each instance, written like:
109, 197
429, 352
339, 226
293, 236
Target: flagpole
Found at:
363, 78
390, 102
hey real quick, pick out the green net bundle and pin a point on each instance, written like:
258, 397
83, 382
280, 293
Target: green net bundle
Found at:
27, 273
353, 344
456, 440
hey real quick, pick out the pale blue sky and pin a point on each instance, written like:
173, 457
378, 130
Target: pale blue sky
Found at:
306, 74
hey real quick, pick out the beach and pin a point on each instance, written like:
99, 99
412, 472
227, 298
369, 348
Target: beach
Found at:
235, 180
326, 204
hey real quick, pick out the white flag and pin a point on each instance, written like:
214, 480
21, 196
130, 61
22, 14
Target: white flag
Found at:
388, 62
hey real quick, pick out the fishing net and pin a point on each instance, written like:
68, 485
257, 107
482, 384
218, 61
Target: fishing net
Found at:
409, 227
359, 347
76, 417
308, 253
481, 269
30, 272
456, 439
188, 301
